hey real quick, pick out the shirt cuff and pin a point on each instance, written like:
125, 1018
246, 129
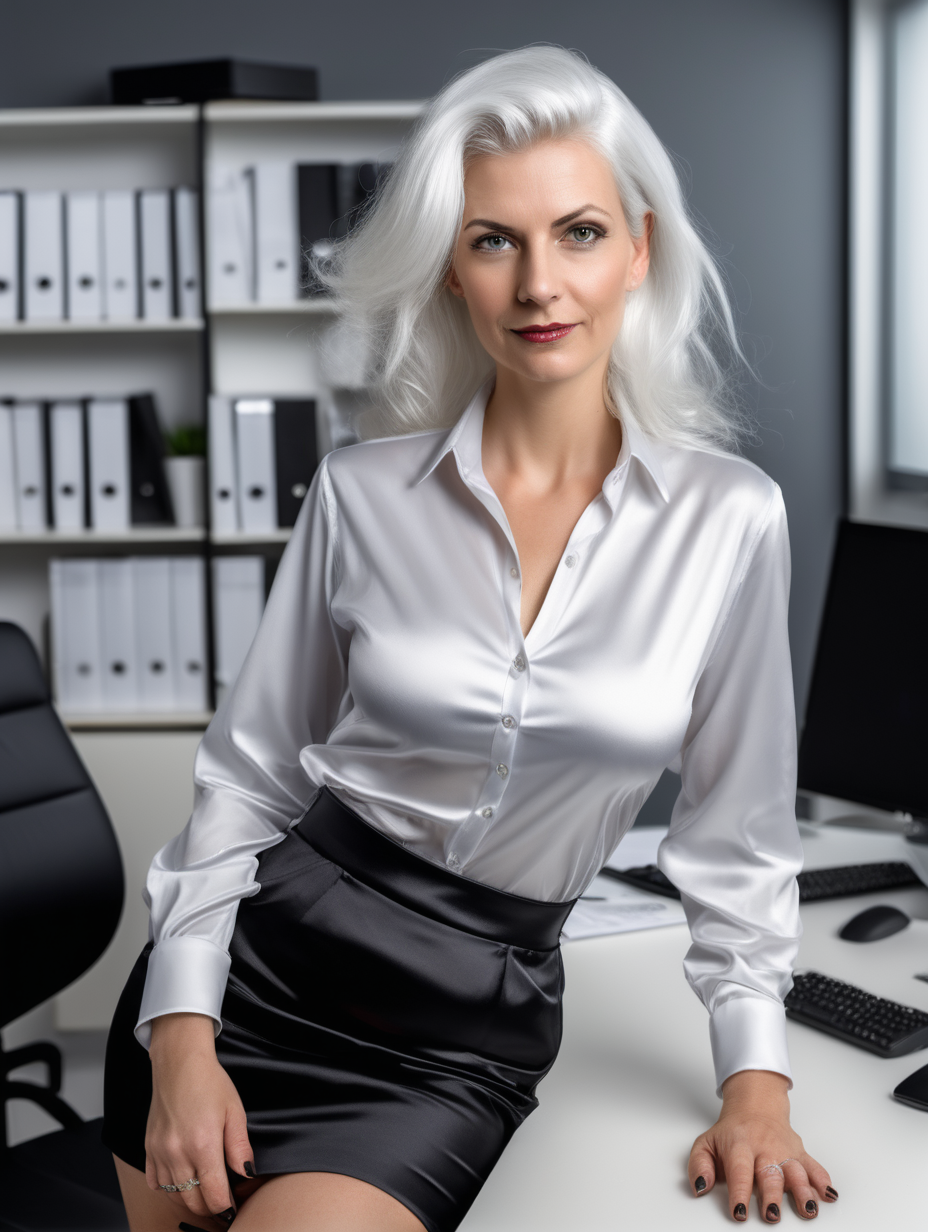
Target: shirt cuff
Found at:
749, 1033
186, 975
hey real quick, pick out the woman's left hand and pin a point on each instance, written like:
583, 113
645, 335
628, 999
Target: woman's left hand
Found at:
752, 1134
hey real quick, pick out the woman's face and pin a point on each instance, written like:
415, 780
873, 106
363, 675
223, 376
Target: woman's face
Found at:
544, 259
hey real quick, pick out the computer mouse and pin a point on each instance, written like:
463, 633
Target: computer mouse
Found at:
874, 924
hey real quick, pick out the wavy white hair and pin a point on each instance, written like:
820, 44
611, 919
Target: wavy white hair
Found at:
388, 275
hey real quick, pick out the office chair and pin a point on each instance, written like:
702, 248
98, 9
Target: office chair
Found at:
61, 893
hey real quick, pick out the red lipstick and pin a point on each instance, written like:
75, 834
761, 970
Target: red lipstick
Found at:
545, 333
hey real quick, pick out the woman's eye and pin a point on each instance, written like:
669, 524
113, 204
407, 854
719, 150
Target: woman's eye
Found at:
583, 234
493, 243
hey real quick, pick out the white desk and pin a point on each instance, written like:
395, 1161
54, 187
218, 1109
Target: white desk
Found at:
633, 1085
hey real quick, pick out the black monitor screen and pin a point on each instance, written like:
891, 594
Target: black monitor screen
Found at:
866, 729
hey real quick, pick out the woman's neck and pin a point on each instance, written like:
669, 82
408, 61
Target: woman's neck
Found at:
550, 433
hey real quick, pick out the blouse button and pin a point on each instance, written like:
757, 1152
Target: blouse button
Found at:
487, 812
514, 572
502, 771
508, 721
519, 663
570, 561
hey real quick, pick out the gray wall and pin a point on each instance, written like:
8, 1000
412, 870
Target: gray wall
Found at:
748, 94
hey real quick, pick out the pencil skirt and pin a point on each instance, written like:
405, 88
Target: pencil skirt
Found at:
384, 1018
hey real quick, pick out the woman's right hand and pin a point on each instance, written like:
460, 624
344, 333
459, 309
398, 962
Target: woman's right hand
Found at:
197, 1122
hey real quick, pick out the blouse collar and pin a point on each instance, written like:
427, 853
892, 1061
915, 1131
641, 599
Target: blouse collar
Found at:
465, 440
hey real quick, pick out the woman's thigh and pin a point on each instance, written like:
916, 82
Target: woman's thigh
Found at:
297, 1201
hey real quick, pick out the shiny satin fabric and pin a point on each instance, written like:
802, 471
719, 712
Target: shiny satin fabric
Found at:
406, 1053
390, 667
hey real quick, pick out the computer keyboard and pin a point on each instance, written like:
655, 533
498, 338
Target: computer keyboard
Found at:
814, 883
884, 1027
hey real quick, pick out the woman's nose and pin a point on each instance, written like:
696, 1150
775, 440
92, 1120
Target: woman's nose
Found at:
537, 283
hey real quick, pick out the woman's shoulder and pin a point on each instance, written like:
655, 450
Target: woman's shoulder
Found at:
387, 462
715, 477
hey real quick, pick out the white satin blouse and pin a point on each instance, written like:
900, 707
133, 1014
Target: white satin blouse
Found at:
390, 666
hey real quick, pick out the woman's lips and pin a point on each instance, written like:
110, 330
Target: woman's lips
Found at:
544, 333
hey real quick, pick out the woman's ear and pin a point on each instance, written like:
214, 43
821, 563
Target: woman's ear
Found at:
642, 258
452, 282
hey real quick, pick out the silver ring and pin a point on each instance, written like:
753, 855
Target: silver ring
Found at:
787, 1161
774, 1168
187, 1185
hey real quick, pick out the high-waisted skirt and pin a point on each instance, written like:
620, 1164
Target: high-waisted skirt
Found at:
384, 1018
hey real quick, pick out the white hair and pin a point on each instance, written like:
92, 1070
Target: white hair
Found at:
388, 276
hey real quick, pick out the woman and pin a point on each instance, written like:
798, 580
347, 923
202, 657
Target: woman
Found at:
485, 642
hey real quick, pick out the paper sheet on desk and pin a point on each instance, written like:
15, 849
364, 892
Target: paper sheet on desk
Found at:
624, 909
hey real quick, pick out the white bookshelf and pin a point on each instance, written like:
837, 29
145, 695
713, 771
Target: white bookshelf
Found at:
165, 536
142, 762
248, 539
59, 328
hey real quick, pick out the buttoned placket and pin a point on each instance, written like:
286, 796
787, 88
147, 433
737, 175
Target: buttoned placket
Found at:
502, 761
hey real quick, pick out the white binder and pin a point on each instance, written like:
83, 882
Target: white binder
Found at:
119, 667
9, 256
7, 470
257, 478
83, 258
156, 275
276, 232
188, 627
66, 455
238, 603
187, 253
29, 455
108, 463
230, 261
154, 644
120, 275
223, 495
75, 630
43, 251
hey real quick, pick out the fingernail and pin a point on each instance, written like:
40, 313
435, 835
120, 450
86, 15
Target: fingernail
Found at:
190, 1227
227, 1216
811, 1207
700, 1184
832, 1193
249, 1168
740, 1211
773, 1213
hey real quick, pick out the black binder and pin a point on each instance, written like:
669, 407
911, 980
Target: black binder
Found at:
318, 198
296, 453
150, 500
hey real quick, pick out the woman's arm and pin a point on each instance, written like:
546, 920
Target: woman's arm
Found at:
733, 850
248, 779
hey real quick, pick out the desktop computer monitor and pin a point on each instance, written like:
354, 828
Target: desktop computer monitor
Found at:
866, 730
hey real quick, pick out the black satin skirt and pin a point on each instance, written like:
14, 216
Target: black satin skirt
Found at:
384, 1019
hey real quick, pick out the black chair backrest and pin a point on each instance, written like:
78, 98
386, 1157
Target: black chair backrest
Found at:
61, 877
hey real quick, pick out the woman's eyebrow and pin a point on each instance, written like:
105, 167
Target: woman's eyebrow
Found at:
558, 222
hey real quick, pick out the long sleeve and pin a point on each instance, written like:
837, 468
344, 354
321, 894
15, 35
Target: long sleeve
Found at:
249, 783
733, 847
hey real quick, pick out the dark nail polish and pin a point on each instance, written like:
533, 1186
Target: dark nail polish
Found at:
700, 1184
740, 1211
227, 1216
190, 1227
832, 1193
811, 1207
249, 1168
773, 1213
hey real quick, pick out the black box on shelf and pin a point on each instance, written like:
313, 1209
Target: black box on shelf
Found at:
200, 81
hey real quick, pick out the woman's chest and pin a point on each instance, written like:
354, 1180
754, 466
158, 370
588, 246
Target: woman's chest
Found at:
437, 652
